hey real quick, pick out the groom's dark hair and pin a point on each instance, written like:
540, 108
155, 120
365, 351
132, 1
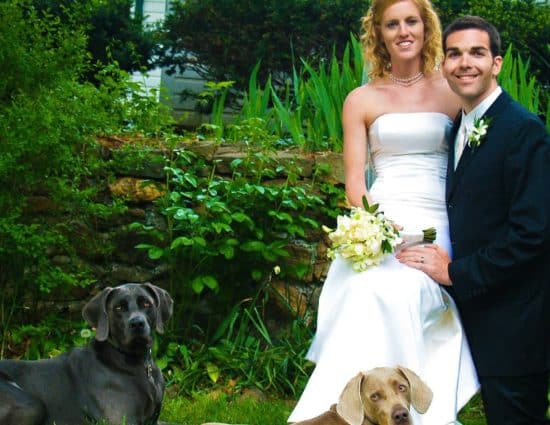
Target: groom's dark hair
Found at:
474, 22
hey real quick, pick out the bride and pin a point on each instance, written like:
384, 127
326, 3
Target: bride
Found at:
392, 314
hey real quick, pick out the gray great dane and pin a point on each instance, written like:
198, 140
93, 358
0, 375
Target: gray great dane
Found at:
112, 380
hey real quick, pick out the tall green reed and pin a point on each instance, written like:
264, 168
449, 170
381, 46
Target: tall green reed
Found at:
256, 101
307, 109
216, 93
515, 79
312, 115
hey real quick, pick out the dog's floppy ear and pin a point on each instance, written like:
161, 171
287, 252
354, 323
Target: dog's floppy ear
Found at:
350, 405
164, 304
421, 394
95, 313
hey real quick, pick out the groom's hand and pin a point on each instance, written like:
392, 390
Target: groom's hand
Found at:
430, 258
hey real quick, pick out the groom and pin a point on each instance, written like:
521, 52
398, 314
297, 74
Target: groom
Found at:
498, 203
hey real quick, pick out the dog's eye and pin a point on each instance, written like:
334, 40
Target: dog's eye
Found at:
402, 388
375, 397
121, 307
144, 302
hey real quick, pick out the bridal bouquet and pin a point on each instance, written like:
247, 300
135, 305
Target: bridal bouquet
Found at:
365, 236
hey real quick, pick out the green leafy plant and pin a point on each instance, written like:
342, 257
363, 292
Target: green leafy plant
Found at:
113, 31
51, 167
238, 226
48, 338
243, 353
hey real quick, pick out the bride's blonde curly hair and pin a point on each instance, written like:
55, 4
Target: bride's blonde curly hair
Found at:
374, 49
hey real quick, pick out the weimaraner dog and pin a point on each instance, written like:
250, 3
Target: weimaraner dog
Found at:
112, 380
381, 396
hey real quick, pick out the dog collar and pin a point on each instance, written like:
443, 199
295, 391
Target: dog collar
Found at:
149, 366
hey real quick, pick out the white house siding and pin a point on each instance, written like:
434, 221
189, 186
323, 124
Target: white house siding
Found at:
153, 11
171, 85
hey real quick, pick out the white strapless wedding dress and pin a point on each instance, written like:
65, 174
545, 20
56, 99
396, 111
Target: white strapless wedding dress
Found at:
392, 314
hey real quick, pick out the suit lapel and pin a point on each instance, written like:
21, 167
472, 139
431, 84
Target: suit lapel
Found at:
496, 109
451, 157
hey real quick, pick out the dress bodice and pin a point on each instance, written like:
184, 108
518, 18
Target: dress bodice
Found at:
407, 144
409, 155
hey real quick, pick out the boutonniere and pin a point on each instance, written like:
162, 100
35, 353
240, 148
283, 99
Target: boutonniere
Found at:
478, 133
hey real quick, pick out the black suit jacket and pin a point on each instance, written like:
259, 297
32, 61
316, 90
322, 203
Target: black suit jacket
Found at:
498, 203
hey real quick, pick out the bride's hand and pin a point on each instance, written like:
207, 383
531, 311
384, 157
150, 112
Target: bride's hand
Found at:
396, 226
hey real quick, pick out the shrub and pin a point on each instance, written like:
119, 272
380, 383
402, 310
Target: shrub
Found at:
112, 31
49, 119
225, 234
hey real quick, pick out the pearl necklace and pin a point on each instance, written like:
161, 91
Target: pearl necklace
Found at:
407, 81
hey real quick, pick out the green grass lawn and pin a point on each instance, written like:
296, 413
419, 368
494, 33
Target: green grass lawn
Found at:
254, 411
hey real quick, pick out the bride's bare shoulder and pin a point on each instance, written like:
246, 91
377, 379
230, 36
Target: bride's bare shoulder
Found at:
366, 99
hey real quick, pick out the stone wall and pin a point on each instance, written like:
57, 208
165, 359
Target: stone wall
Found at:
141, 183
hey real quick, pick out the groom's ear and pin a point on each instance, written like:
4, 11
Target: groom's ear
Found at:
497, 65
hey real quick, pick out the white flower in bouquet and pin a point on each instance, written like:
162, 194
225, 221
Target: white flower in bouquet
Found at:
365, 236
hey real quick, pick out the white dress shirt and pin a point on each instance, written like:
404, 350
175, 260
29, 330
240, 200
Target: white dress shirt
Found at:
467, 122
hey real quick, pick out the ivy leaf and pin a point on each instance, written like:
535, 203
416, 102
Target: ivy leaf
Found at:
155, 253
210, 282
228, 252
213, 372
197, 285
181, 241
253, 246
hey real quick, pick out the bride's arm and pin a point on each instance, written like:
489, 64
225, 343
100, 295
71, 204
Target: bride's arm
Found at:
354, 125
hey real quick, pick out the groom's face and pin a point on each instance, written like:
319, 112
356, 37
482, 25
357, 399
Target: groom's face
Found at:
469, 66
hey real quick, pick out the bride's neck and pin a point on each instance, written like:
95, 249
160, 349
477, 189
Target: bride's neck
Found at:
406, 69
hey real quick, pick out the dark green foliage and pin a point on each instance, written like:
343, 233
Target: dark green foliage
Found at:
116, 35
112, 32
52, 336
224, 39
49, 162
225, 234
243, 353
46, 118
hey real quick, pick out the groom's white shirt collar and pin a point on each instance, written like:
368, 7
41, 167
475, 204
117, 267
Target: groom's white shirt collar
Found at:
469, 118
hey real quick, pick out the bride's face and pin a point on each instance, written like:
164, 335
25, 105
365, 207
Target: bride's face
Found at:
402, 30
